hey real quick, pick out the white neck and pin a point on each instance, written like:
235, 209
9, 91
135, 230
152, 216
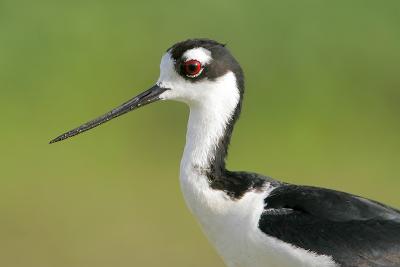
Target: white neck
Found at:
207, 122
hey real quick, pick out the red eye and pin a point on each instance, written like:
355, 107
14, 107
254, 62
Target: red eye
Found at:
192, 68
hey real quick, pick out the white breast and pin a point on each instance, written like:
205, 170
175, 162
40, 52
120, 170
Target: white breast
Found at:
232, 227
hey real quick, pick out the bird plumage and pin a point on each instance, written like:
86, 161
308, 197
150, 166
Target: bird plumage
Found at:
353, 230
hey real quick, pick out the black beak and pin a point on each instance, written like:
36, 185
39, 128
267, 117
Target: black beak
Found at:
147, 97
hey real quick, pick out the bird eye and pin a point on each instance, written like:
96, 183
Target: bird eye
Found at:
192, 68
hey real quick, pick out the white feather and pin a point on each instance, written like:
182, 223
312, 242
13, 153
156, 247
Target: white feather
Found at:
199, 53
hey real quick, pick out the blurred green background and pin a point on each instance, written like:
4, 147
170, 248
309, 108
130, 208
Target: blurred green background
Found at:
322, 107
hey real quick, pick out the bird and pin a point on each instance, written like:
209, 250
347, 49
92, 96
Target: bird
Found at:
251, 219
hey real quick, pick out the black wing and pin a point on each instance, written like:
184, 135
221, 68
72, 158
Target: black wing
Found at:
355, 231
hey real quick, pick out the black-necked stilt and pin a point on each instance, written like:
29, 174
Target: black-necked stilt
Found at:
251, 219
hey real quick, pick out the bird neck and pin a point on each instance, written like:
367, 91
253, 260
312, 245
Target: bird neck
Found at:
208, 135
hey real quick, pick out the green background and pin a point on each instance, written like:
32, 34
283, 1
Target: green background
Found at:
322, 107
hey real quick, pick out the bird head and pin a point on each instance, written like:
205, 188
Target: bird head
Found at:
199, 72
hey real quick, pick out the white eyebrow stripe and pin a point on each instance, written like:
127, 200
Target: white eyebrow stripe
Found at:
199, 53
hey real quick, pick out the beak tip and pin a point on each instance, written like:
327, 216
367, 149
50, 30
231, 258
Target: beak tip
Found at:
55, 140
52, 141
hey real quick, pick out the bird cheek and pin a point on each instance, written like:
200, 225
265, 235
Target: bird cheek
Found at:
172, 94
167, 95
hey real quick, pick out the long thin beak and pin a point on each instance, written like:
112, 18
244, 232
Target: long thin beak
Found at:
147, 97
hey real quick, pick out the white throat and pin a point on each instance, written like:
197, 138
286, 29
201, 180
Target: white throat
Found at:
212, 104
208, 120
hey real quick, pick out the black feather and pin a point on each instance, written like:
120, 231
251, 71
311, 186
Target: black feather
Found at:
355, 231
